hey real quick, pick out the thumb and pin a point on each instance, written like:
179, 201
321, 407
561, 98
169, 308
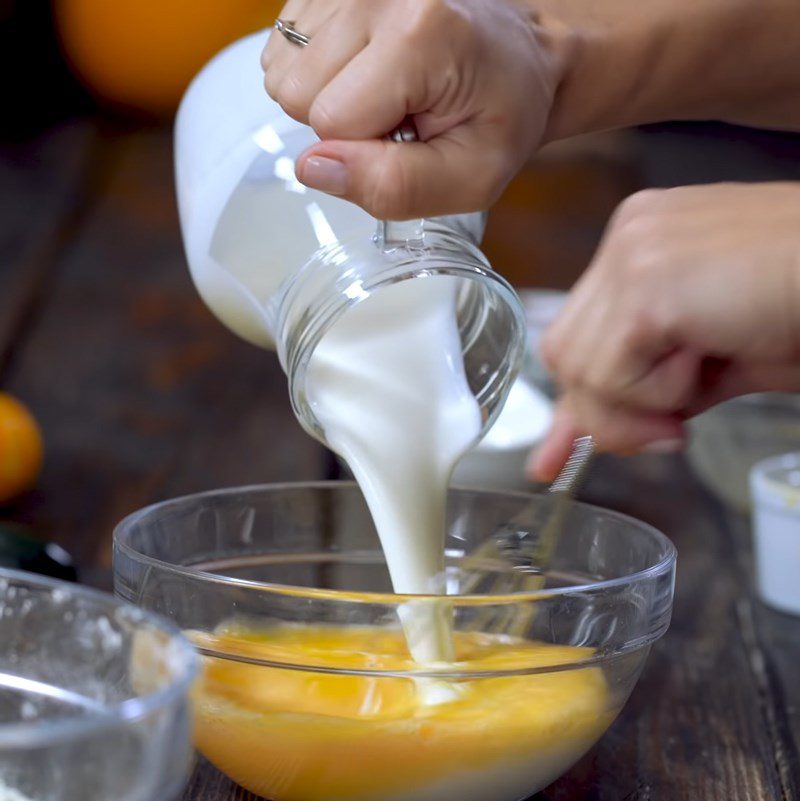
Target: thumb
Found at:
397, 181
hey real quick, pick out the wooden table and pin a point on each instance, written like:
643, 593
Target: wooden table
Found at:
142, 395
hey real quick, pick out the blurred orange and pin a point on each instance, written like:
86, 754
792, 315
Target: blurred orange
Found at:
142, 54
21, 449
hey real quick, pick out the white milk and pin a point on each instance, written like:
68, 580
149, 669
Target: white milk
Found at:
267, 230
387, 383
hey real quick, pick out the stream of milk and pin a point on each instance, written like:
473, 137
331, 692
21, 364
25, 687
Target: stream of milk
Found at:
386, 381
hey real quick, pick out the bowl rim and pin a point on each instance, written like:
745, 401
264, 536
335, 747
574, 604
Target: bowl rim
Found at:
663, 565
42, 733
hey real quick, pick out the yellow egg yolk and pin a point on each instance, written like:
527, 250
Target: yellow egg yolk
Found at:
294, 735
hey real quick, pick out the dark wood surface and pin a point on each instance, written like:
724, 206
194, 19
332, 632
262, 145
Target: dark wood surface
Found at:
142, 395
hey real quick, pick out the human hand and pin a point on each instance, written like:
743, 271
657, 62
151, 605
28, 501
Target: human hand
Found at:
692, 298
478, 76
488, 81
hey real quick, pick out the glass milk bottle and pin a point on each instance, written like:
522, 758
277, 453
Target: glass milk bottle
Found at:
285, 266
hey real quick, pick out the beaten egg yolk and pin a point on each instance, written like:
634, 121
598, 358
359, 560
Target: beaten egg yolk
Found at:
293, 735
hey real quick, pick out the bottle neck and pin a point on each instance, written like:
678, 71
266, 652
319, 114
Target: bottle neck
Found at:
489, 315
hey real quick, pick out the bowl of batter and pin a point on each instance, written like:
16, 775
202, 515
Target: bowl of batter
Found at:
318, 682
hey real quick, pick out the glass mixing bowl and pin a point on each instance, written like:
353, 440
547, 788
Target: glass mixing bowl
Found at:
94, 696
307, 691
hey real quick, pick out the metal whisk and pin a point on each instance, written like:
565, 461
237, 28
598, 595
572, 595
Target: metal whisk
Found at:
516, 620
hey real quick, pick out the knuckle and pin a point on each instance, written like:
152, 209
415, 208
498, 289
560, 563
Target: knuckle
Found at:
666, 320
639, 326
266, 58
645, 329
570, 371
323, 120
642, 260
428, 18
391, 193
637, 204
419, 13
639, 251
593, 376
293, 97
382, 203
272, 83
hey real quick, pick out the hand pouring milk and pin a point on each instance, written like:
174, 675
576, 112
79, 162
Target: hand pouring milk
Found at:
387, 380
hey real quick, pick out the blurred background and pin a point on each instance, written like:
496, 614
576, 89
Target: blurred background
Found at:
137, 392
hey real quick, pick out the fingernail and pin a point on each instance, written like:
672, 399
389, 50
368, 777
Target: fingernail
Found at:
664, 446
327, 175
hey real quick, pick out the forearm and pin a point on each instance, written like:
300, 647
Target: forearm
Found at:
627, 62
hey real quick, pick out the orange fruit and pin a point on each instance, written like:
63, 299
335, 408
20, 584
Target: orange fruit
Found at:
21, 449
142, 54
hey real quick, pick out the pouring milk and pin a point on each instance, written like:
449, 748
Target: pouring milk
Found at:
386, 381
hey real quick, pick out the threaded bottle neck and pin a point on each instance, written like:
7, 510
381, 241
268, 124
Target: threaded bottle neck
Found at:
489, 315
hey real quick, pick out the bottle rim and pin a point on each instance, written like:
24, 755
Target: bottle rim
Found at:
297, 342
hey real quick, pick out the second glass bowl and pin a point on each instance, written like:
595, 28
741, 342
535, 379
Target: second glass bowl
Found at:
94, 696
308, 691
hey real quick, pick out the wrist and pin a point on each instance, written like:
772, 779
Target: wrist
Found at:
615, 64
624, 62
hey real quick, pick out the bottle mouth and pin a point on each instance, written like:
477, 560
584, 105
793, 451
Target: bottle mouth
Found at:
489, 314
